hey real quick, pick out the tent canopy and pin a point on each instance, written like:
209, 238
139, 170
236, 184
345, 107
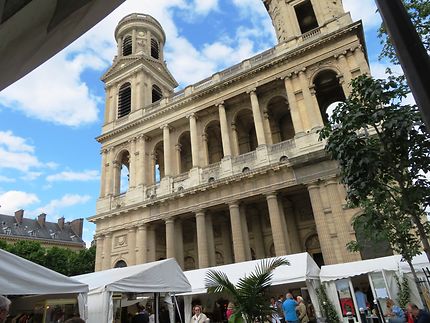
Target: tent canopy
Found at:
356, 268
301, 268
156, 277
419, 262
22, 277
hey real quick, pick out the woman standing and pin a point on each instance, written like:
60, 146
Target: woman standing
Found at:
198, 316
394, 313
301, 309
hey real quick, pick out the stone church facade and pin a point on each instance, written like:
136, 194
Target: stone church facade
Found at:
228, 169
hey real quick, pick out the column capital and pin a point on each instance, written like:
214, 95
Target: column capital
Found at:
313, 186
271, 195
132, 229
252, 91
169, 220
192, 115
178, 147
220, 104
301, 71
331, 181
142, 227
233, 204
199, 213
166, 126
205, 136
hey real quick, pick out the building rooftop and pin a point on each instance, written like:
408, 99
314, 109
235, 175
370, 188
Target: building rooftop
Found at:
16, 226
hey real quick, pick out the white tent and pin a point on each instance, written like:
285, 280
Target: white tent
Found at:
155, 277
302, 268
22, 277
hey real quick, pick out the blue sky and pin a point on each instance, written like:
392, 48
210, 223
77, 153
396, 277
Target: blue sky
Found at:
49, 159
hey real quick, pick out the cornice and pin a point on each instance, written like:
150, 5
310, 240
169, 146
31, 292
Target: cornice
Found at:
276, 61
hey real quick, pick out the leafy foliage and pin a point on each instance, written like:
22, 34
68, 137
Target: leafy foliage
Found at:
419, 12
64, 261
383, 151
328, 310
404, 292
248, 294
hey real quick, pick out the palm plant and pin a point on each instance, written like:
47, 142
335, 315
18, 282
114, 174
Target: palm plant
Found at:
248, 294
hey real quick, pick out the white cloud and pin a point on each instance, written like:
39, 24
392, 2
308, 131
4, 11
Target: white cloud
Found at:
11, 201
364, 10
69, 176
52, 209
203, 7
6, 179
14, 143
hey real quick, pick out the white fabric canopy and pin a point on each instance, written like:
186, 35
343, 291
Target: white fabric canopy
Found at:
23, 277
419, 262
155, 277
356, 268
302, 267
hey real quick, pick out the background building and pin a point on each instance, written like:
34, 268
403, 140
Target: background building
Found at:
61, 234
230, 168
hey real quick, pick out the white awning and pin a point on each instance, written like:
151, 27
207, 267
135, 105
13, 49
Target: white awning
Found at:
22, 277
302, 267
356, 268
155, 277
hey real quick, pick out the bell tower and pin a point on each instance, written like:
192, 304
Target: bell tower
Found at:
139, 75
293, 20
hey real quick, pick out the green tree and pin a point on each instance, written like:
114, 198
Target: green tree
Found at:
82, 262
58, 259
419, 11
383, 151
30, 250
248, 294
328, 310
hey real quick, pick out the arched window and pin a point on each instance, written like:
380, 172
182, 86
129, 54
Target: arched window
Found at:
327, 90
126, 46
306, 16
120, 264
124, 100
186, 160
156, 93
122, 174
155, 49
245, 130
281, 125
213, 141
158, 160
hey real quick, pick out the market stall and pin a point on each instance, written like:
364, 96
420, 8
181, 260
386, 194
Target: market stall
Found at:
164, 276
302, 272
373, 277
22, 277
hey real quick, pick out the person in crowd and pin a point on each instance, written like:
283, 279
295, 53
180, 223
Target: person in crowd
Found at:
141, 316
4, 308
301, 309
274, 316
361, 299
419, 316
230, 310
394, 313
198, 316
289, 307
279, 303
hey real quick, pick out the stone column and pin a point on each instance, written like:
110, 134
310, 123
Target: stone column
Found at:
237, 232
179, 242
202, 241
293, 231
258, 121
108, 105
194, 139
141, 244
153, 164
327, 249
141, 161
211, 242
225, 133
276, 225
133, 164
242, 210
167, 151
178, 149
109, 172
313, 113
131, 237
342, 226
258, 237
107, 246
139, 90
226, 242
236, 149
286, 228
170, 238
267, 129
99, 253
103, 173
134, 91
294, 109
116, 177
205, 149
133, 43
346, 73
114, 105
151, 244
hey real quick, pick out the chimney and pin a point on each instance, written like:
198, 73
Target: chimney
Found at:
41, 219
61, 223
19, 215
77, 226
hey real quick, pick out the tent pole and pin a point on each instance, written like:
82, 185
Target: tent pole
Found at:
156, 300
177, 307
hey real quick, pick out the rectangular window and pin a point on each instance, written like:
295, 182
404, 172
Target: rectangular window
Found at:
306, 16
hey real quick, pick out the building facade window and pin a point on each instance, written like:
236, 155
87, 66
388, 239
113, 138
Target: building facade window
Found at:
155, 49
306, 16
124, 100
127, 46
157, 94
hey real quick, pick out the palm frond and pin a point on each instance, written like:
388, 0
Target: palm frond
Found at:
217, 282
